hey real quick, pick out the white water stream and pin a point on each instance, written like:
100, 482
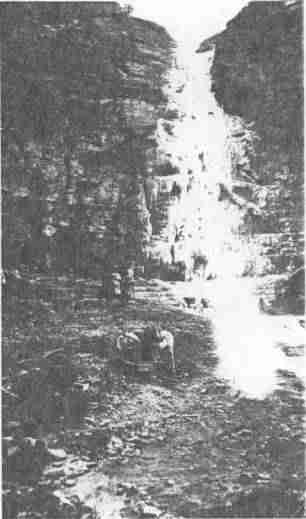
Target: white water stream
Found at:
248, 341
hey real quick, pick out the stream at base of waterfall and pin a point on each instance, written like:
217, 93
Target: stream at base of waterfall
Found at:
201, 148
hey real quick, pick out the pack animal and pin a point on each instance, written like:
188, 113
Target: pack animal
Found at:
135, 348
129, 346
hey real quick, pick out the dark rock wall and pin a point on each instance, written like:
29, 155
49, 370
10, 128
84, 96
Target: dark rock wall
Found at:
82, 94
257, 76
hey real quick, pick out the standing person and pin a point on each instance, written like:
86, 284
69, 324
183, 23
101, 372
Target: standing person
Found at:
166, 342
172, 252
149, 342
127, 284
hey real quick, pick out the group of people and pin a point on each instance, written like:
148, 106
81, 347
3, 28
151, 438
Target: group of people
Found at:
146, 345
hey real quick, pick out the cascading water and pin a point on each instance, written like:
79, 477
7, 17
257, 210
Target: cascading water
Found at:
199, 149
203, 224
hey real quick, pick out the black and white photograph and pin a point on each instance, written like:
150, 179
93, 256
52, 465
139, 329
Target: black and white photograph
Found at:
152, 267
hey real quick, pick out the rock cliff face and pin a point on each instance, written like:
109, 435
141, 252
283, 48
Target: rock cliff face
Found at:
257, 76
83, 92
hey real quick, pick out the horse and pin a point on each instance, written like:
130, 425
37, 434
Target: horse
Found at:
134, 348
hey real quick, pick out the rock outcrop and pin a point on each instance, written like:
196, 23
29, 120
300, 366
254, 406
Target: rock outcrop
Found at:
83, 92
257, 77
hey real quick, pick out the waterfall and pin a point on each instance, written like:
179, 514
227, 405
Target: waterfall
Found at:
203, 224
199, 148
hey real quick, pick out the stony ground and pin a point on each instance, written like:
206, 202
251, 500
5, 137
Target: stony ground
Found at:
84, 438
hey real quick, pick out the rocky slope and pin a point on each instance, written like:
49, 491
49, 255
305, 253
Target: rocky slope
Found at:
83, 92
83, 438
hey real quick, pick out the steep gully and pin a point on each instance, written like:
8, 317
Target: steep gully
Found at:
248, 342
